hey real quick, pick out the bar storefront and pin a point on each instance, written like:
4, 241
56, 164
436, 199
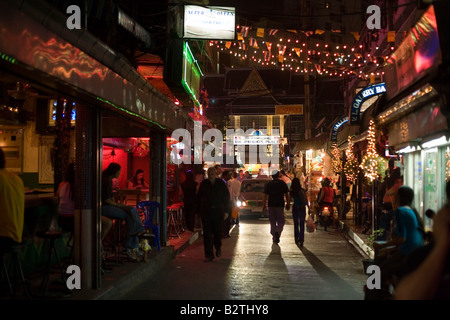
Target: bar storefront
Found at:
66, 97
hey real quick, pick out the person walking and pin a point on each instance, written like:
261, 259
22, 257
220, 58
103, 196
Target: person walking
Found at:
275, 192
236, 190
213, 200
189, 192
226, 177
300, 202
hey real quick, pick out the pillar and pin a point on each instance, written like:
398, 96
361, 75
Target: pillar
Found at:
158, 165
88, 195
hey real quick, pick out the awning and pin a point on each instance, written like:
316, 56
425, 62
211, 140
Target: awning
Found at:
79, 63
318, 142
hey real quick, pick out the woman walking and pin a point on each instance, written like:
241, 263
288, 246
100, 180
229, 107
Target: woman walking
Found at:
298, 194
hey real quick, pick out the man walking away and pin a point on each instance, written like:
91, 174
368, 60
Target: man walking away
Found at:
213, 200
275, 192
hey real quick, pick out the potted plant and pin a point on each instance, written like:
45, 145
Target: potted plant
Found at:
369, 246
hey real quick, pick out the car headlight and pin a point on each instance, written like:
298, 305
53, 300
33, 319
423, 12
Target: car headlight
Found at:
240, 203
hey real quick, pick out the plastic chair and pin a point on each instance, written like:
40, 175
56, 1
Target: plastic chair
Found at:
150, 208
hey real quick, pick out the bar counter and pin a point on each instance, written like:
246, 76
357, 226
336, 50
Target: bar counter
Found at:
36, 199
41, 208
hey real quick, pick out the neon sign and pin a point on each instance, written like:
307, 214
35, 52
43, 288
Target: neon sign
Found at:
363, 95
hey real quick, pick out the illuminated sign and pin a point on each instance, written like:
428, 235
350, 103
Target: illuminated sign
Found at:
289, 109
419, 51
256, 140
363, 95
209, 22
337, 126
191, 75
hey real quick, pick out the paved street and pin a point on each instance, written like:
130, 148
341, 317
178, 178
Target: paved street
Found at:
253, 268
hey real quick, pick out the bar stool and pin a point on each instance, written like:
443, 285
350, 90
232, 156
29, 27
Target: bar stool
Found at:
51, 236
115, 239
172, 217
14, 250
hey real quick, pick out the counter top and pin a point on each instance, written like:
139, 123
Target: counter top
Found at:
40, 199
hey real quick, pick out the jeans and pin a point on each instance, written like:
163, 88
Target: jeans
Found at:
298, 215
132, 220
277, 220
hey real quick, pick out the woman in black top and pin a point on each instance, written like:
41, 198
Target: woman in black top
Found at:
114, 210
300, 200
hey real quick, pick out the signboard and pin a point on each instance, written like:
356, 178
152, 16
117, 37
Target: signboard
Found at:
289, 109
255, 140
363, 95
209, 22
419, 51
337, 126
191, 75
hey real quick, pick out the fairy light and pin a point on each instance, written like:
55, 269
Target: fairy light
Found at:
351, 163
362, 63
372, 164
336, 162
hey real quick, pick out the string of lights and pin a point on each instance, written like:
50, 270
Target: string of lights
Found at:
298, 52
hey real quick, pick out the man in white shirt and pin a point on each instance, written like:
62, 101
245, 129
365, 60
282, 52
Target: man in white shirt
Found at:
235, 185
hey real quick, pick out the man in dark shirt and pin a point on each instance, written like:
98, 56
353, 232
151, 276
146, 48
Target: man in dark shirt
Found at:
213, 200
275, 192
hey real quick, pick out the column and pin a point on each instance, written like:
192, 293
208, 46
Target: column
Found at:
88, 195
158, 165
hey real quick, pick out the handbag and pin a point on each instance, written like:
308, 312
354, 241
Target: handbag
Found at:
235, 212
310, 226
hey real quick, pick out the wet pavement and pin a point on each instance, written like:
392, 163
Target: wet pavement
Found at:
252, 267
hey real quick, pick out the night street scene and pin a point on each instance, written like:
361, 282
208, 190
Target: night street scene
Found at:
224, 159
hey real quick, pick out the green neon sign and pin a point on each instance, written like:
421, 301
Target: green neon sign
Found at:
191, 74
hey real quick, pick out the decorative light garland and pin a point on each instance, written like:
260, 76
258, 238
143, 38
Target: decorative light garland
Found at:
372, 164
336, 162
310, 56
351, 166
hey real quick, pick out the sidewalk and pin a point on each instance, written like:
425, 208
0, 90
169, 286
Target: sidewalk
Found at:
354, 233
128, 275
